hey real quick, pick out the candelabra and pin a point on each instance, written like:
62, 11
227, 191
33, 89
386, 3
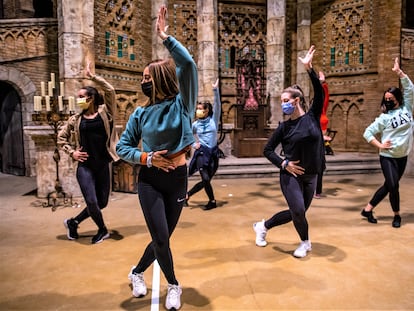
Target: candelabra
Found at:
54, 109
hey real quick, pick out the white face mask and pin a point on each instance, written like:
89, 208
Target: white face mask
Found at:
82, 103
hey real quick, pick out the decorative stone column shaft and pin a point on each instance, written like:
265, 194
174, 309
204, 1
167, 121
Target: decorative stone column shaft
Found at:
207, 39
303, 44
275, 56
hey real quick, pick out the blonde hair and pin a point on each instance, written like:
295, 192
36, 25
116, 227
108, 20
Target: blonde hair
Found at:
164, 80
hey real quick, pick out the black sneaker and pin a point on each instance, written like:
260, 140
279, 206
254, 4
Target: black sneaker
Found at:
210, 205
72, 228
396, 223
100, 236
369, 216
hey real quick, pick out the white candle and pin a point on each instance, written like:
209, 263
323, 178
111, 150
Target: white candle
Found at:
52, 79
47, 98
60, 101
71, 103
62, 88
39, 103
35, 103
50, 88
43, 88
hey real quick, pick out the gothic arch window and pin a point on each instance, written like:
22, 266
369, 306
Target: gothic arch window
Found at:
408, 14
117, 41
43, 8
239, 25
184, 19
349, 38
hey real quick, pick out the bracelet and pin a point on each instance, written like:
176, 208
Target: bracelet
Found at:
286, 161
149, 159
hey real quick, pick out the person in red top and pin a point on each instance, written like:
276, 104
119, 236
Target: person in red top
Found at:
324, 127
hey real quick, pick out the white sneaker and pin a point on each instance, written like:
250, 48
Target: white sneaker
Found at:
173, 300
261, 232
139, 288
303, 249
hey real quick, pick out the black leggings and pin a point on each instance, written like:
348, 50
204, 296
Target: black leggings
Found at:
205, 181
319, 183
161, 196
392, 169
298, 192
95, 186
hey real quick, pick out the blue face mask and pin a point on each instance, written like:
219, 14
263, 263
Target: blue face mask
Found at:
288, 108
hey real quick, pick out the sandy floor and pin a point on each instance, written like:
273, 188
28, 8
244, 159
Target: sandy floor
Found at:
353, 264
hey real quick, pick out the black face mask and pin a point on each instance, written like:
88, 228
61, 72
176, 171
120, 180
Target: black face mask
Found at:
389, 105
147, 88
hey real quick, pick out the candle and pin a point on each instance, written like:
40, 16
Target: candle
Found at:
39, 103
36, 103
47, 98
52, 79
71, 103
60, 101
43, 88
62, 88
50, 88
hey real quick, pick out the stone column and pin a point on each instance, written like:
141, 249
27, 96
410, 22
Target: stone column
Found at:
275, 57
158, 49
76, 48
207, 38
303, 44
75, 42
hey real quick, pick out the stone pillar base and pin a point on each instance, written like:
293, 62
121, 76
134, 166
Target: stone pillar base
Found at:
46, 166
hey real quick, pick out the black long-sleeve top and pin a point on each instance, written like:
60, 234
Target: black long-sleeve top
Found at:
301, 138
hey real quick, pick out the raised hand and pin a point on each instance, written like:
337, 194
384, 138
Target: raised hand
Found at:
88, 71
396, 67
161, 26
307, 60
215, 84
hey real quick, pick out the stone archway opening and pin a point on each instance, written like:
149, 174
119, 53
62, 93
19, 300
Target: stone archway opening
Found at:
11, 131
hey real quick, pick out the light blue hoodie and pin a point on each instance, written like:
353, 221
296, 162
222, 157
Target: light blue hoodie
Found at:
396, 125
206, 129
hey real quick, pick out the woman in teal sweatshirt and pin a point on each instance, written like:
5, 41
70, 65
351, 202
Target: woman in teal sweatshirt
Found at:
395, 126
163, 126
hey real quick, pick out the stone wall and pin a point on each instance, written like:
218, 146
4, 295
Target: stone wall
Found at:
29, 52
365, 31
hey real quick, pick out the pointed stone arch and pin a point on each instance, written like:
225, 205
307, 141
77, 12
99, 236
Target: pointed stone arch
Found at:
353, 126
336, 122
26, 89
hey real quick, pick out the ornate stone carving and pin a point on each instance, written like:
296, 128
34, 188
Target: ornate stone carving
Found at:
184, 23
347, 36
